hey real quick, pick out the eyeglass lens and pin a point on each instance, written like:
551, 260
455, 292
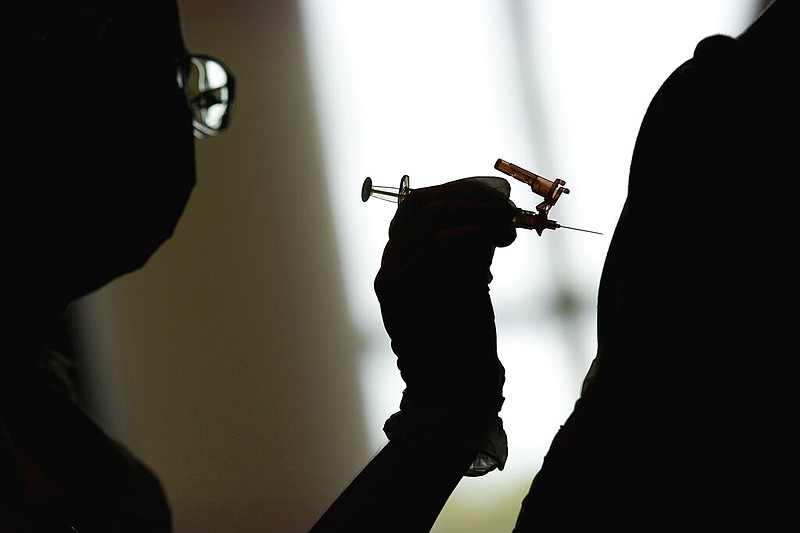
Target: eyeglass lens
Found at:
209, 90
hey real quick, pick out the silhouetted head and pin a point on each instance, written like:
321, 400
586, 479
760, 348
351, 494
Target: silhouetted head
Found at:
101, 143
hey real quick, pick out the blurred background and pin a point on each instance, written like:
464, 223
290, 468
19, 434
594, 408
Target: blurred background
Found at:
247, 363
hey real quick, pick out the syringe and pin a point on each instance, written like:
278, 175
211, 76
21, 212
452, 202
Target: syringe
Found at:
523, 219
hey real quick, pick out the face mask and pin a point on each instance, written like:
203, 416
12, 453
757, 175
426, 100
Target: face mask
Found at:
102, 146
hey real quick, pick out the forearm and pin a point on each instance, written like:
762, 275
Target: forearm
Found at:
402, 489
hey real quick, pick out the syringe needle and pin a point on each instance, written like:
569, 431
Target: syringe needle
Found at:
578, 229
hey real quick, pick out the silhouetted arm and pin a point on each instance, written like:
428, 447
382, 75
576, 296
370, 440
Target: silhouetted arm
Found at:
403, 489
434, 296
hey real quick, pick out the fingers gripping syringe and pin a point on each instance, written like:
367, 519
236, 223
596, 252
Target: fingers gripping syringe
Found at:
549, 190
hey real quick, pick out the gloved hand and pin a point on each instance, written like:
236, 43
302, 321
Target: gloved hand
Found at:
433, 288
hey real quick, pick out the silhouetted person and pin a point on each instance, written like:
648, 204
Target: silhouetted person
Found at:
100, 117
685, 418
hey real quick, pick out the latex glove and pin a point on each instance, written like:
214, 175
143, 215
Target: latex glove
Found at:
433, 288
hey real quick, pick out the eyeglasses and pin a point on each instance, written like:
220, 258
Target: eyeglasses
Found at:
210, 90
